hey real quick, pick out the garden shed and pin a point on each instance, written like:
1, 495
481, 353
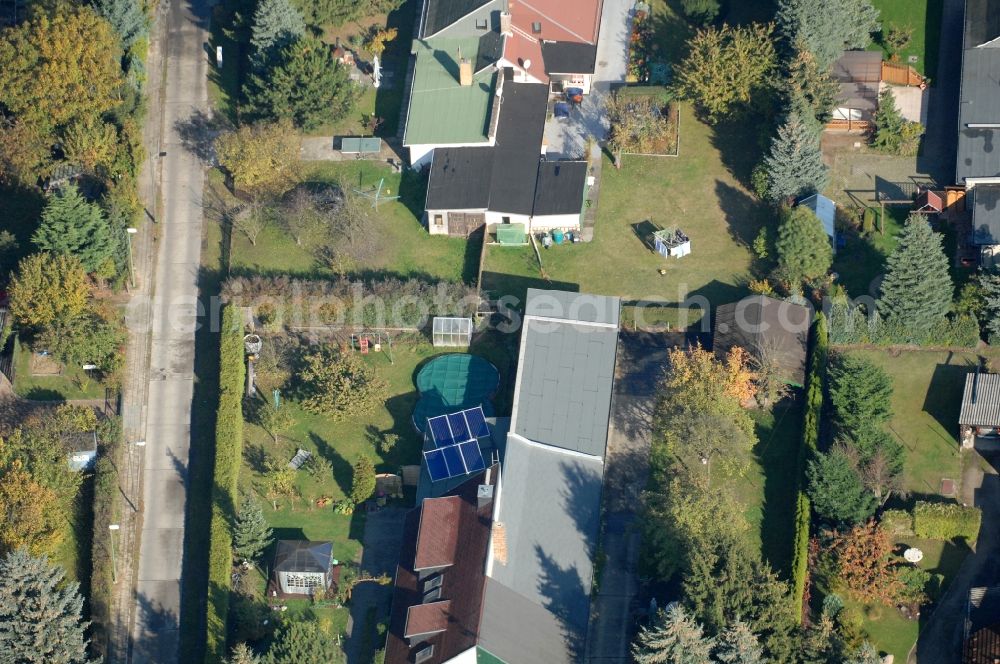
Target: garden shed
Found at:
763, 325
81, 448
826, 211
302, 567
928, 202
980, 413
451, 332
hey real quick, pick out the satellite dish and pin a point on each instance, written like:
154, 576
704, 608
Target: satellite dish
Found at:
527, 64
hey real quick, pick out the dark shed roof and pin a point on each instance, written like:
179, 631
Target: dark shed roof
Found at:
981, 400
518, 147
986, 214
303, 556
560, 186
442, 13
760, 323
460, 179
569, 57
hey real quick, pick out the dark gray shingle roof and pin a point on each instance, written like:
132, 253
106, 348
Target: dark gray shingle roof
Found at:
537, 603
460, 179
569, 57
979, 147
763, 324
560, 186
566, 371
442, 13
981, 400
518, 147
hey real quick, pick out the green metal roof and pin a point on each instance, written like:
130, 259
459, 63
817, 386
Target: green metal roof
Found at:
441, 110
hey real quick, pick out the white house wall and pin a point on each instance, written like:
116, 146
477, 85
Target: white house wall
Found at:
470, 656
548, 222
499, 218
567, 81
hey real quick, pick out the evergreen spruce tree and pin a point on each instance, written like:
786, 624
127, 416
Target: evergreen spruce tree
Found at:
860, 392
811, 90
127, 18
673, 638
242, 654
794, 166
828, 28
838, 495
738, 645
252, 534
277, 24
917, 290
866, 654
804, 250
72, 226
302, 642
40, 613
990, 283
307, 86
889, 124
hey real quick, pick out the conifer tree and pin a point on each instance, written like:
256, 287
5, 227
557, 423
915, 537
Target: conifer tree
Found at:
794, 166
252, 534
812, 91
674, 638
990, 282
73, 226
738, 645
804, 250
126, 17
828, 28
917, 290
302, 642
277, 24
40, 613
836, 490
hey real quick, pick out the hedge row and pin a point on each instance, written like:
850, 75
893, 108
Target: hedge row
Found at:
228, 455
105, 502
342, 302
809, 447
850, 324
946, 521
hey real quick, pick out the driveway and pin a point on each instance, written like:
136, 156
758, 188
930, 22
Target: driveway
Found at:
383, 536
641, 357
940, 146
567, 138
940, 640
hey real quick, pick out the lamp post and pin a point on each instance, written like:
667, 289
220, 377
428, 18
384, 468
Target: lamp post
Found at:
129, 232
114, 565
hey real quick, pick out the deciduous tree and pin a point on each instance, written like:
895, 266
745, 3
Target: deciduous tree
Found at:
73, 226
339, 384
91, 143
306, 86
726, 67
827, 28
917, 289
251, 533
700, 11
60, 67
260, 157
804, 249
864, 554
794, 165
95, 337
30, 512
378, 38
673, 638
40, 612
47, 288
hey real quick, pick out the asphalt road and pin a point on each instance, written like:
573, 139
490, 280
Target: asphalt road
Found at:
155, 633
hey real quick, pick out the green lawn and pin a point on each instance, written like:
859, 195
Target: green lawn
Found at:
925, 405
863, 258
71, 383
696, 191
923, 17
406, 249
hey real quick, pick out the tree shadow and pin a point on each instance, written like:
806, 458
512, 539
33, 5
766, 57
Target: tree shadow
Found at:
198, 133
858, 265
497, 285
413, 191
44, 394
777, 454
560, 587
156, 631
644, 232
739, 149
744, 215
343, 472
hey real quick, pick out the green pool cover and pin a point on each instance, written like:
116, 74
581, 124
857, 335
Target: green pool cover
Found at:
454, 382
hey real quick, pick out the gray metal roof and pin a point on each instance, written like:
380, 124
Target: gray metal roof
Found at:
565, 305
981, 400
303, 556
986, 214
537, 603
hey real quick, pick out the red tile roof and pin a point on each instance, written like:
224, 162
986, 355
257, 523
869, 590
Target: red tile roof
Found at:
438, 534
427, 618
560, 21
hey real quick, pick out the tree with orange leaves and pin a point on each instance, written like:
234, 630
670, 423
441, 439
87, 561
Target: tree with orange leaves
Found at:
700, 414
864, 554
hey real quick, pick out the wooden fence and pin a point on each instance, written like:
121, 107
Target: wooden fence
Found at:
897, 74
848, 125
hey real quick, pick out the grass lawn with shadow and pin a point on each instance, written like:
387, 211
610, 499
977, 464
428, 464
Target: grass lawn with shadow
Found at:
69, 383
923, 17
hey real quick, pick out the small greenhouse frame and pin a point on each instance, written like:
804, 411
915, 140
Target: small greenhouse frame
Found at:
451, 332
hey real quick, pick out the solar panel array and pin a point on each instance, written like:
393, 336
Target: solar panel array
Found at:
456, 439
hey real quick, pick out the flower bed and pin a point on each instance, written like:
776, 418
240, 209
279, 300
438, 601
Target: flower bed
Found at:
642, 47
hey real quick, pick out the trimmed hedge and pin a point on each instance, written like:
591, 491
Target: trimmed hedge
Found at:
898, 523
109, 458
946, 521
849, 324
228, 456
810, 445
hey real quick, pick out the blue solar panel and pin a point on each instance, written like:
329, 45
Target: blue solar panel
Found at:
441, 431
459, 429
477, 422
472, 456
437, 468
453, 457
